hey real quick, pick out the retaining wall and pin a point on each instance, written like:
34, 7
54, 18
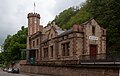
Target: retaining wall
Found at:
70, 70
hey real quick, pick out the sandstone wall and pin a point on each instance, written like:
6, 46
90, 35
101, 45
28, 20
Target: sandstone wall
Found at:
70, 70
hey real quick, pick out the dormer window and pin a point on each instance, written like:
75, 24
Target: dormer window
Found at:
93, 30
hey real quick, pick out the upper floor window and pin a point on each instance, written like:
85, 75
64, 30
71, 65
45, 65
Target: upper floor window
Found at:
37, 41
33, 43
93, 30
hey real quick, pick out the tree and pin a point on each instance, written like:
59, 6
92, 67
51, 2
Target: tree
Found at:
65, 16
13, 44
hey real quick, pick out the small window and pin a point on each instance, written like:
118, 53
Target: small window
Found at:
51, 48
63, 49
67, 49
103, 32
37, 54
37, 41
93, 30
33, 43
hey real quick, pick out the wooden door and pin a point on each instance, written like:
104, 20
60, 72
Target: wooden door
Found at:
93, 51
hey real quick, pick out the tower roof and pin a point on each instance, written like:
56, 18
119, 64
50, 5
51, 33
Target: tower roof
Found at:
33, 15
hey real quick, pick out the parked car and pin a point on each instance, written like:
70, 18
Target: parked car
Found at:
15, 70
10, 70
5, 69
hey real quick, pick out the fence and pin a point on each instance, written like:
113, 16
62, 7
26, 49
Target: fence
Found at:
103, 57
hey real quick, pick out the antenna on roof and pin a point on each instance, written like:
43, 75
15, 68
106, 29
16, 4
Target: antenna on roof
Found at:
34, 6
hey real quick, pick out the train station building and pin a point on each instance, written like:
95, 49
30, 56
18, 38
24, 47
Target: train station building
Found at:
52, 44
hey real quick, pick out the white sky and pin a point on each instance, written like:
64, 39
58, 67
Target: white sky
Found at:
13, 13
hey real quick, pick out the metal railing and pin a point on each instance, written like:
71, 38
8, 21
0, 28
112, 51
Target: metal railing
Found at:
106, 57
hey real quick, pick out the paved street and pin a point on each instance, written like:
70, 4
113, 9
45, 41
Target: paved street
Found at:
9, 74
2, 73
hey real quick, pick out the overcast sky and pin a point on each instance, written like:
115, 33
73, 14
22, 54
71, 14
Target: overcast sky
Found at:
13, 13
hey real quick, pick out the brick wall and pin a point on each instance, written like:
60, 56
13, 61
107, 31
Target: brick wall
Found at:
70, 70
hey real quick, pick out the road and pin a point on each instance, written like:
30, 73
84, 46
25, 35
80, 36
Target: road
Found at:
10, 74
2, 73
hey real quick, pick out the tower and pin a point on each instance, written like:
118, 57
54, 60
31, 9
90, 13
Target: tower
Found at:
33, 28
33, 23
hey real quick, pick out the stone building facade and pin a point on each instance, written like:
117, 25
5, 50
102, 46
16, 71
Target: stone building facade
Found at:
51, 44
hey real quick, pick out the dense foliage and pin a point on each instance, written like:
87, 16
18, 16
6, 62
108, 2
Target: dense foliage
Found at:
105, 12
13, 44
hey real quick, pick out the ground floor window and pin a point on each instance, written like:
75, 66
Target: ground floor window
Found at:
37, 54
45, 52
65, 49
51, 50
